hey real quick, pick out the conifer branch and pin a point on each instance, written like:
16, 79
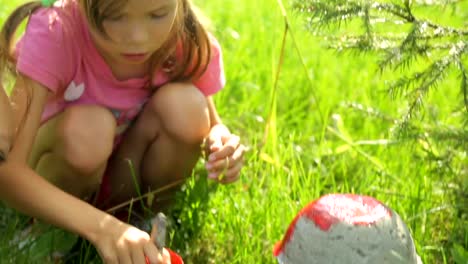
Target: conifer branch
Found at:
463, 81
444, 45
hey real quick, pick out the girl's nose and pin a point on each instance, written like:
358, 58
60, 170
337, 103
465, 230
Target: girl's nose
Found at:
137, 34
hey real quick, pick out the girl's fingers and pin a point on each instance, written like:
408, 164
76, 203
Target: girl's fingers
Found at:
221, 164
216, 138
239, 153
151, 253
124, 258
228, 175
232, 174
213, 175
110, 259
215, 144
227, 162
109, 255
224, 164
231, 144
139, 257
166, 257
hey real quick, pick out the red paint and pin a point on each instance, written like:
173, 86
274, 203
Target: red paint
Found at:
334, 208
175, 258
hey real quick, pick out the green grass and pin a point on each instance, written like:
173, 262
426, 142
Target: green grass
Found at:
320, 114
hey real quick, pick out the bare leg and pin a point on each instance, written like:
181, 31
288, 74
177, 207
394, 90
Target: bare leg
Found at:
164, 143
71, 150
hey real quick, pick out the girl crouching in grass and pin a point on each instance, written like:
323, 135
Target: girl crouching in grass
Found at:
101, 84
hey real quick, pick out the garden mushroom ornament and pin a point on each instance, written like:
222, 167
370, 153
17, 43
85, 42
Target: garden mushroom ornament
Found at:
347, 228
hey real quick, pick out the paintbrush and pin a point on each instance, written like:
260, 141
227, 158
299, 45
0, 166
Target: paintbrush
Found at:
158, 232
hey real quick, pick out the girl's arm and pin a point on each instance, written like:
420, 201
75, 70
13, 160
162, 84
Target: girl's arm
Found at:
29, 98
23, 188
6, 125
214, 116
31, 194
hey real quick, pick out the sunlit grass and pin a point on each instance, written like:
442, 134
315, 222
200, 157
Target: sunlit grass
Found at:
321, 146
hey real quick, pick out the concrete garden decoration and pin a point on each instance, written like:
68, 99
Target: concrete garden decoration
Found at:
347, 228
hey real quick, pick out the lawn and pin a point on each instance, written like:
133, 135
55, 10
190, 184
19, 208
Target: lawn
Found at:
327, 128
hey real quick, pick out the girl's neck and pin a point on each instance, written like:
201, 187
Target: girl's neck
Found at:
126, 72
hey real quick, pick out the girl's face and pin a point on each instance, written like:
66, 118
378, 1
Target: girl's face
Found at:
136, 31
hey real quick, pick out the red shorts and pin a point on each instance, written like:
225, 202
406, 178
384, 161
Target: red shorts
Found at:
104, 193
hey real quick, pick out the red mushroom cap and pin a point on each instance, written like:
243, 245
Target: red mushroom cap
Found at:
334, 208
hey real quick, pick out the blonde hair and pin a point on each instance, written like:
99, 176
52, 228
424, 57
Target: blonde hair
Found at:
187, 33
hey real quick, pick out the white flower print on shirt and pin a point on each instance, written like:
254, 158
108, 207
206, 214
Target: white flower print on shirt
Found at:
74, 92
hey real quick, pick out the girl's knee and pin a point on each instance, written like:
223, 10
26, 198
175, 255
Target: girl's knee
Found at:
183, 111
85, 137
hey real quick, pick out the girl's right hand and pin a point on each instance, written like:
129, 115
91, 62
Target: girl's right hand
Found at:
121, 243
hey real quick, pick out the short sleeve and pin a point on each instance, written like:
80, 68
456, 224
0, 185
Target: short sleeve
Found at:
213, 79
45, 52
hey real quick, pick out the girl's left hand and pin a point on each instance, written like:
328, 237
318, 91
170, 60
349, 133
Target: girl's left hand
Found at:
225, 155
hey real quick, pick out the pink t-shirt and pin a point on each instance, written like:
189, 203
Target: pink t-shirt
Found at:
57, 51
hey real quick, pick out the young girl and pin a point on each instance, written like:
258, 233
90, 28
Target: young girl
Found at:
102, 85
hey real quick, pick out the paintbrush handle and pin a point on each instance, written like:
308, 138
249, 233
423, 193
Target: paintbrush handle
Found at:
159, 230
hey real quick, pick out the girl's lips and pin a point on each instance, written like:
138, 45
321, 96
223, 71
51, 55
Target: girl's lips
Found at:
134, 56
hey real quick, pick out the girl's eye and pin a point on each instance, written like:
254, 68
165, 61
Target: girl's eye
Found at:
158, 16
